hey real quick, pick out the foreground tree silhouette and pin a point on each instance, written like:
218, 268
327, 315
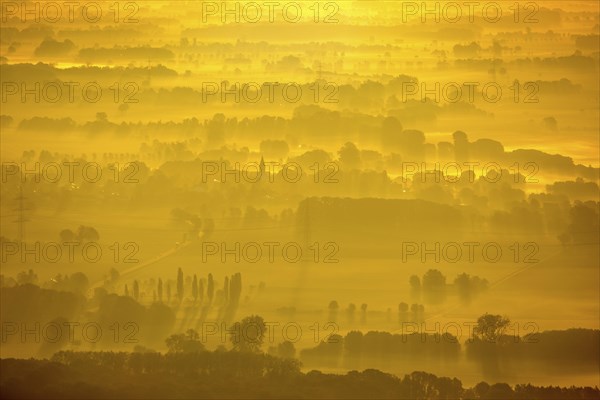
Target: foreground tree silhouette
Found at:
27, 277
248, 334
487, 342
286, 349
490, 327
185, 343
223, 374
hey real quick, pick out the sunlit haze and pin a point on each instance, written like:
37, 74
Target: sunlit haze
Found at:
300, 199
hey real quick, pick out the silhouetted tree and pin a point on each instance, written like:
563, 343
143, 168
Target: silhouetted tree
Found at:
415, 287
461, 146
235, 291
195, 288
136, 290
490, 327
487, 342
481, 389
160, 290
201, 290
210, 288
248, 334
434, 287
350, 312
363, 313
185, 343
179, 284
24, 278
226, 289
467, 287
67, 235
87, 234
402, 312
286, 349
499, 391
349, 156
333, 310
